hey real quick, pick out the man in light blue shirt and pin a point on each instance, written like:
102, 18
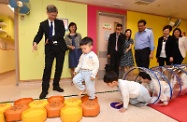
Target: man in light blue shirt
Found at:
144, 45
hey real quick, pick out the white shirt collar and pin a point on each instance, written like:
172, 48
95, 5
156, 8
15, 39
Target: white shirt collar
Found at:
49, 21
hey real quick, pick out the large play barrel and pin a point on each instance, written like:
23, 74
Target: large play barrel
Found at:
154, 87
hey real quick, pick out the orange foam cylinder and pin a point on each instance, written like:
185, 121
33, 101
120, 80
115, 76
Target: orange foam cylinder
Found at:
56, 99
86, 97
53, 109
14, 113
90, 108
23, 101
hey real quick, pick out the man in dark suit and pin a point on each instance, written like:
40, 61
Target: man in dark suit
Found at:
115, 48
165, 47
55, 47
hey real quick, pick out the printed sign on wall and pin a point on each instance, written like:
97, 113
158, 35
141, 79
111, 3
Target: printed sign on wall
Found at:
107, 26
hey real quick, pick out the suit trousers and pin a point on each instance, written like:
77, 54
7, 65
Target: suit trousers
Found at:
115, 61
54, 52
162, 61
178, 59
85, 75
142, 57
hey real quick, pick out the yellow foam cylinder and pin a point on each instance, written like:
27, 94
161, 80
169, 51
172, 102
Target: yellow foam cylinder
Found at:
4, 106
73, 102
2, 117
71, 114
34, 115
38, 104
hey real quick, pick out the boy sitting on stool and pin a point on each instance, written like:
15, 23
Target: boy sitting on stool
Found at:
87, 69
131, 91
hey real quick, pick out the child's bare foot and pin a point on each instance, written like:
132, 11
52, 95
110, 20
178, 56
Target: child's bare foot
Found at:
83, 91
165, 103
72, 83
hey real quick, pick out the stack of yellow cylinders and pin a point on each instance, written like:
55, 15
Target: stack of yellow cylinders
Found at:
34, 115
4, 106
2, 117
73, 102
72, 112
38, 104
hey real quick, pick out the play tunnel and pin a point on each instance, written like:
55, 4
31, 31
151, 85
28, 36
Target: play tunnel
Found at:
167, 82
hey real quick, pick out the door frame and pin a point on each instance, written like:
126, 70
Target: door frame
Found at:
16, 44
99, 13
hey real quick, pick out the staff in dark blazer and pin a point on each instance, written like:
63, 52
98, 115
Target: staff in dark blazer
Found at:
55, 47
115, 48
164, 49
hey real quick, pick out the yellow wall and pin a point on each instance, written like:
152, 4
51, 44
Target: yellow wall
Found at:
155, 22
32, 63
7, 62
7, 57
9, 26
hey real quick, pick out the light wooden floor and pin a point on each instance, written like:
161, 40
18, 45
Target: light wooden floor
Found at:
10, 92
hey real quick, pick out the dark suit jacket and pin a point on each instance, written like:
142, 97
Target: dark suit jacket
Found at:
168, 47
59, 34
112, 44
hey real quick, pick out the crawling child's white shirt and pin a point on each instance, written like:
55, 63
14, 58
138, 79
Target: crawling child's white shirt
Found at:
128, 89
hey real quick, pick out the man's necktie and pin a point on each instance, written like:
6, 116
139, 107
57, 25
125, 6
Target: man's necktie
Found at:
51, 30
116, 48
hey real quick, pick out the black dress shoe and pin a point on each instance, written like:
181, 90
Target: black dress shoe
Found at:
43, 94
58, 89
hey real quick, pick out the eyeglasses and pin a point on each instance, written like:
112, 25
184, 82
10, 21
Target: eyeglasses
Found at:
140, 26
119, 29
52, 14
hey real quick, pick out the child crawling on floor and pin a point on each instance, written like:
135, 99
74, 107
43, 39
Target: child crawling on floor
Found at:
131, 91
154, 87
